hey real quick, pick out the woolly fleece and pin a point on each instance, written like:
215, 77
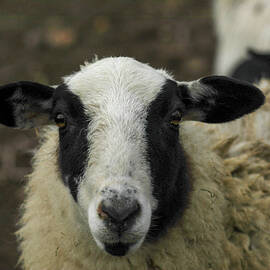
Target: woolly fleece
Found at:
227, 225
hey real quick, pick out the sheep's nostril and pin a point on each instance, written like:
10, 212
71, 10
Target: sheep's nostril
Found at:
118, 211
100, 212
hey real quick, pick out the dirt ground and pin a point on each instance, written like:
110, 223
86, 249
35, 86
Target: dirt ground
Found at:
44, 40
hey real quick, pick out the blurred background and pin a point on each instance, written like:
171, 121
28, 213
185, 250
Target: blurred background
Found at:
45, 40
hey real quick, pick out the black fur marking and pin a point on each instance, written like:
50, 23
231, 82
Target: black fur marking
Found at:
233, 99
6, 108
254, 68
6, 113
30, 95
73, 142
169, 168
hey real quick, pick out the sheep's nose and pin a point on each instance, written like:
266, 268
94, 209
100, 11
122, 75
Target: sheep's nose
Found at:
118, 212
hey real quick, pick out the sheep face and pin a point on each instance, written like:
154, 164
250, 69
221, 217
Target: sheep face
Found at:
119, 151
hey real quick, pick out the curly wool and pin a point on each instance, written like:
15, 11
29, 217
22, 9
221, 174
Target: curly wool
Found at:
227, 225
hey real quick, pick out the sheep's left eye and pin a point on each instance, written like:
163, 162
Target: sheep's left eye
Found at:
60, 120
176, 118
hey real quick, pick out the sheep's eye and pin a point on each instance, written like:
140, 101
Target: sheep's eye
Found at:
60, 120
175, 119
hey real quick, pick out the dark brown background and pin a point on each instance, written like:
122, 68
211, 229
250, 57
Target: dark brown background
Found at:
44, 40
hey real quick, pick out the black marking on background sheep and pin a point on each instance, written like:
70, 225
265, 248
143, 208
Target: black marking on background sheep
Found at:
254, 68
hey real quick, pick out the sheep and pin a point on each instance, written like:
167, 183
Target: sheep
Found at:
244, 53
240, 25
127, 175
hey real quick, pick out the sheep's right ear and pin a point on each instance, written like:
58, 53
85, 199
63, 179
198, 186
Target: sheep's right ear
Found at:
219, 99
25, 104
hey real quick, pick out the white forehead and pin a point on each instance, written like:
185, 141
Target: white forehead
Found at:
116, 78
116, 92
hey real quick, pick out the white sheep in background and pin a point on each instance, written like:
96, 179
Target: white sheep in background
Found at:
240, 25
122, 183
243, 52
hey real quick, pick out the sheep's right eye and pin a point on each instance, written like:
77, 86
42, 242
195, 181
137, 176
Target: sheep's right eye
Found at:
176, 118
60, 120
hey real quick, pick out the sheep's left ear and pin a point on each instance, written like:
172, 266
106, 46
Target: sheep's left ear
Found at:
218, 99
25, 104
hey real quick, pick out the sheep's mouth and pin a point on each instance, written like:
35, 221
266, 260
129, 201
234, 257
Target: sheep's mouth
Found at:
117, 249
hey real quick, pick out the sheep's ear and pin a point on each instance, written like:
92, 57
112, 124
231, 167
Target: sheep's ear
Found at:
218, 99
25, 104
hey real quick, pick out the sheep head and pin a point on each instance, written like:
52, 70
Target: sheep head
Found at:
119, 151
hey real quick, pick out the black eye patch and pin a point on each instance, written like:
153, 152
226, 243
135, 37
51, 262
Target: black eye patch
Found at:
169, 169
168, 101
73, 142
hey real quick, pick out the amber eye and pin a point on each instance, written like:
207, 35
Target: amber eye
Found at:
60, 120
176, 118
